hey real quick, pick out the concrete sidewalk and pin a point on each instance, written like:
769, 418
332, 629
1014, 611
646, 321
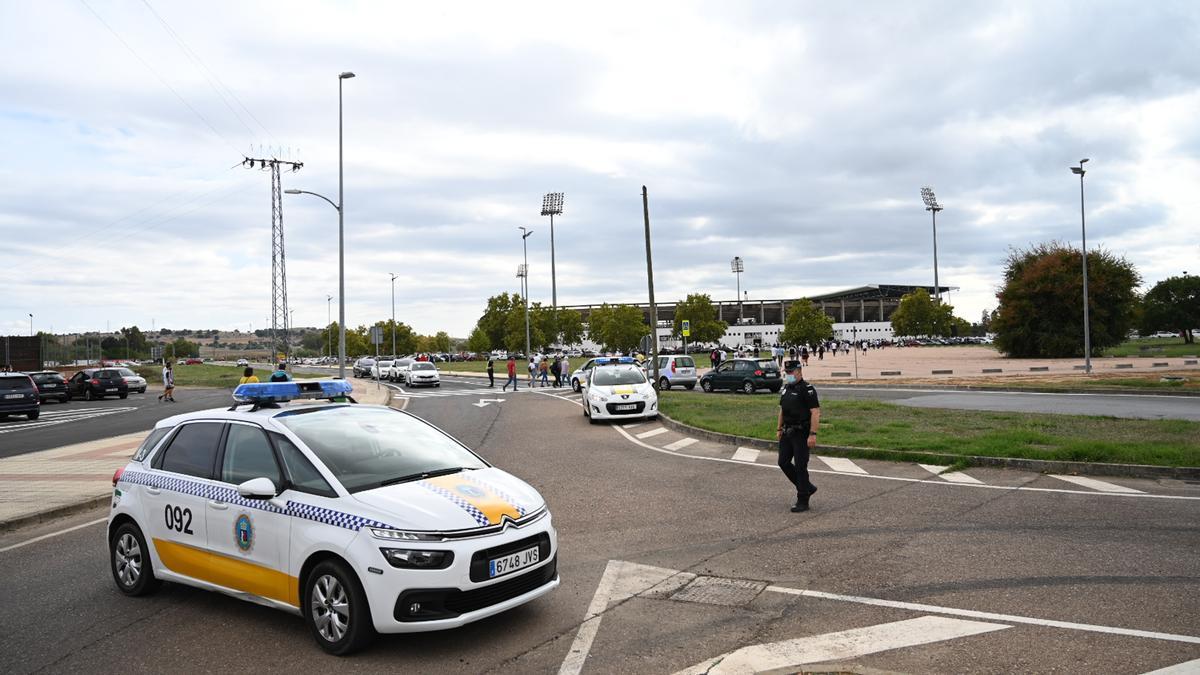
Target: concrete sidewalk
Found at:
52, 483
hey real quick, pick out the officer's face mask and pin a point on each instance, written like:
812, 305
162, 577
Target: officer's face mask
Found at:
790, 379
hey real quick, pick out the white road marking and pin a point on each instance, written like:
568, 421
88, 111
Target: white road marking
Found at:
1097, 484
484, 402
842, 465
52, 534
842, 645
61, 418
952, 476
990, 616
1186, 668
746, 455
621, 580
985, 486
680, 444
652, 432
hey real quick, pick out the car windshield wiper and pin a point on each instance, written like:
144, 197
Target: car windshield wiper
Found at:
423, 475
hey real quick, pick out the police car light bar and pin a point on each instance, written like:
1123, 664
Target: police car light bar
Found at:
278, 392
618, 360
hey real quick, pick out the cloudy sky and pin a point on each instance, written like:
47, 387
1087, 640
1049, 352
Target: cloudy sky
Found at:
794, 134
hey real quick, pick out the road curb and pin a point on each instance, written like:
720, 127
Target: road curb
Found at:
1038, 465
52, 513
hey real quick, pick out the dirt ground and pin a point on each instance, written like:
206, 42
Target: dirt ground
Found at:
968, 363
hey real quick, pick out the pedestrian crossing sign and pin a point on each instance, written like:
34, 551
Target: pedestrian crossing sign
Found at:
687, 328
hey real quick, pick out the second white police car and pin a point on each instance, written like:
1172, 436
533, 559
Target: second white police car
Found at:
617, 388
362, 519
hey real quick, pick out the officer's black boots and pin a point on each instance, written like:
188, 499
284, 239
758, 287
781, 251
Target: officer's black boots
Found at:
801, 504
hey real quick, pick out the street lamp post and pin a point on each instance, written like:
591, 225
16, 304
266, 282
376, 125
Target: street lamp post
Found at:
1087, 329
393, 312
31, 324
328, 331
737, 266
340, 206
525, 272
933, 207
552, 204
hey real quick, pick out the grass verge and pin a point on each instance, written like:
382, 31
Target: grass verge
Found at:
1153, 347
205, 375
886, 428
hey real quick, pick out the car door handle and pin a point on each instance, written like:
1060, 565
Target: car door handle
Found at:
220, 506
154, 491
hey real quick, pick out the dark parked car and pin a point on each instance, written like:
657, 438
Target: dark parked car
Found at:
746, 375
93, 383
50, 384
19, 396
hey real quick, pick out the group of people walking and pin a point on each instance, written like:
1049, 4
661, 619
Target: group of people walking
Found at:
540, 369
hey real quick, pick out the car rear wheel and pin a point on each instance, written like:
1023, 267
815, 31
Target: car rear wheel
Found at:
123, 395
664, 384
64, 399
33, 415
337, 611
690, 387
706, 385
748, 387
130, 561
88, 395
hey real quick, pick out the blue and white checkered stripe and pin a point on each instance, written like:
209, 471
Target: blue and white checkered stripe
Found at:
229, 495
459, 501
521, 508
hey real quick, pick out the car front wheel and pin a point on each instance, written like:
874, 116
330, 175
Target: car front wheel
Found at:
706, 385
575, 385
130, 561
336, 609
88, 395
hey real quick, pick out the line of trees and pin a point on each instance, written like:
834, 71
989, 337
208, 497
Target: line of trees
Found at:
502, 326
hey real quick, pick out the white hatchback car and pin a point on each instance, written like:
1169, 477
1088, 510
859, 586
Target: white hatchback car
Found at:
362, 519
618, 391
423, 373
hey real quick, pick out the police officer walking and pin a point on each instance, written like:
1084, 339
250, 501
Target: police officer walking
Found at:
799, 416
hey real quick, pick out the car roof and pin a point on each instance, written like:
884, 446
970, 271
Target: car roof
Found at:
257, 416
25, 375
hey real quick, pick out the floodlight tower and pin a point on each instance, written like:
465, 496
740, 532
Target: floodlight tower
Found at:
523, 272
932, 205
737, 266
1087, 330
552, 205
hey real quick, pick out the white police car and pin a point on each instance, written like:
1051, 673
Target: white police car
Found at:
362, 519
618, 389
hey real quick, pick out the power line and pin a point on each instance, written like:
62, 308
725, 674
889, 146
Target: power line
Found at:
161, 79
209, 75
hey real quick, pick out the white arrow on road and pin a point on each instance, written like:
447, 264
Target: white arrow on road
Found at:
842, 645
483, 402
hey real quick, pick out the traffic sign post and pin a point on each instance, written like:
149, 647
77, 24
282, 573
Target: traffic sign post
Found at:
687, 332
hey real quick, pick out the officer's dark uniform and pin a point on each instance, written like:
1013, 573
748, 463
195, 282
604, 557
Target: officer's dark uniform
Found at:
491, 373
796, 402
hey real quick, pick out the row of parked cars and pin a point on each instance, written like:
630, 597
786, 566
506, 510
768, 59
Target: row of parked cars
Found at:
23, 393
406, 370
676, 370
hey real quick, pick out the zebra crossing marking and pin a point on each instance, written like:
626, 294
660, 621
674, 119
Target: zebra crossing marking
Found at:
745, 454
952, 476
680, 444
62, 417
1097, 485
842, 465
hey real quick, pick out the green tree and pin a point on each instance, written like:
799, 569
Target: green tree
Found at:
182, 348
617, 327
514, 329
494, 321
698, 309
314, 341
478, 341
1173, 304
1041, 313
441, 341
138, 344
919, 314
570, 327
806, 324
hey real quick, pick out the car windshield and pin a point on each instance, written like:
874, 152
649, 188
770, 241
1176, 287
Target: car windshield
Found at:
366, 448
14, 383
405, 362
605, 377
421, 365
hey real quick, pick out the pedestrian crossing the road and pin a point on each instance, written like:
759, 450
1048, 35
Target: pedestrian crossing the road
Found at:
55, 417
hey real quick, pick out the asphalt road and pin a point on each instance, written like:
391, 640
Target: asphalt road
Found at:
919, 576
1136, 406
77, 420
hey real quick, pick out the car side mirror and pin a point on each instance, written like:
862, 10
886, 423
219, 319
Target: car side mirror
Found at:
257, 488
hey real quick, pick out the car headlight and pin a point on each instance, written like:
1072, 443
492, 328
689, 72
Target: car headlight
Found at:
421, 560
598, 396
402, 535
